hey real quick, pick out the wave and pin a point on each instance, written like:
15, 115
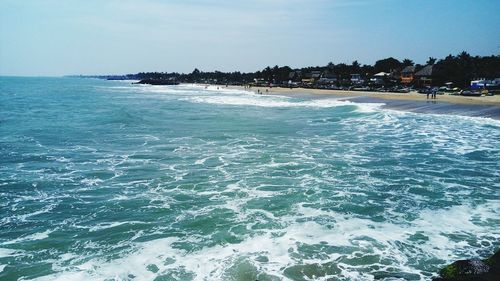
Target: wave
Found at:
274, 101
236, 97
32, 237
478, 120
279, 252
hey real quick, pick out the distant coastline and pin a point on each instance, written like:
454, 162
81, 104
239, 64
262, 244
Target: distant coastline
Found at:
476, 75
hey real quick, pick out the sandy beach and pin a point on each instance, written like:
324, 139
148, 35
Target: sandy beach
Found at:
412, 96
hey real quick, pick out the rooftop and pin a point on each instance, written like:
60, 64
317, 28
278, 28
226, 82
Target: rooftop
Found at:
426, 71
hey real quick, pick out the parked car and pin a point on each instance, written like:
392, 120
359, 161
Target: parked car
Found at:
470, 93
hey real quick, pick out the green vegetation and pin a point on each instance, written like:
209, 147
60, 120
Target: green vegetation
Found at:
459, 69
449, 272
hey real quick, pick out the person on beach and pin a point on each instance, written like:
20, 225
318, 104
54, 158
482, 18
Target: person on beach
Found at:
431, 93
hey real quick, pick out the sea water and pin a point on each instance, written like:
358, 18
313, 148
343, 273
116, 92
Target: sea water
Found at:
106, 180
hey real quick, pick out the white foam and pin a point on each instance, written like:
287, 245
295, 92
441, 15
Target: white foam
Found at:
45, 209
235, 97
109, 225
275, 101
8, 252
280, 165
201, 161
91, 182
477, 120
281, 246
59, 159
32, 237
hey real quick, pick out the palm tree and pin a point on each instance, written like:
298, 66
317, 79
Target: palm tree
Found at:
431, 61
408, 62
464, 56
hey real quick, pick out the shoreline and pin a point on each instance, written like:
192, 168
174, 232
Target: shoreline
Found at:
485, 106
412, 96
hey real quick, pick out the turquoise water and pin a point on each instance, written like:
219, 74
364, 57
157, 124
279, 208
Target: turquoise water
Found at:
103, 180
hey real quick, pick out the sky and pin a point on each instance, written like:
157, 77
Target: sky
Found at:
53, 37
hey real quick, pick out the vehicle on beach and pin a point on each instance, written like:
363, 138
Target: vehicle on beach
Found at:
399, 89
455, 91
361, 89
403, 90
444, 90
469, 93
381, 89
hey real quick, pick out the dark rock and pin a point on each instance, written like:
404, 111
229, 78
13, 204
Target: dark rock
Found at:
472, 270
464, 267
151, 81
494, 263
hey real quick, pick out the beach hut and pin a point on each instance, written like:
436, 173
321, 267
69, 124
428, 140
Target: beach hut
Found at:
407, 74
424, 76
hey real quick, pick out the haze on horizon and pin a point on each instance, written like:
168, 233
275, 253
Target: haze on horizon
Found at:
50, 38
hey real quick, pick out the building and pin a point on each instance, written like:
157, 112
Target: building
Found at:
260, 82
327, 78
295, 75
315, 75
407, 74
311, 78
423, 77
356, 79
379, 78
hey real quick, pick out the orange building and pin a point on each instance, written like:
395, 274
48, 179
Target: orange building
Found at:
408, 74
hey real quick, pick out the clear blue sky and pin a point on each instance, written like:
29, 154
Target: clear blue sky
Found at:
52, 37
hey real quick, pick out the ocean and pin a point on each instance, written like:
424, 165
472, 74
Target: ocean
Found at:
106, 180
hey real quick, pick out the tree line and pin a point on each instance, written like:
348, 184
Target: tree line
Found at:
459, 69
